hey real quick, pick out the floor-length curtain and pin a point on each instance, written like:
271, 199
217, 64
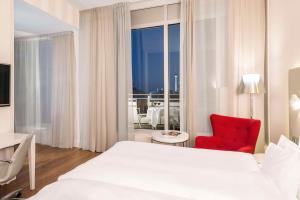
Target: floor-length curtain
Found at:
203, 67
122, 25
44, 81
104, 76
247, 30
63, 90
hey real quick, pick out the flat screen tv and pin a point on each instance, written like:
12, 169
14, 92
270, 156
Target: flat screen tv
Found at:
4, 85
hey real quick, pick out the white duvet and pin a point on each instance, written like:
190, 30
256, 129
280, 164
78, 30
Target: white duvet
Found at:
94, 190
170, 172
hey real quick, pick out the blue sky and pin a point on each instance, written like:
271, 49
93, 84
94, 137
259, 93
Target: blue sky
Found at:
147, 57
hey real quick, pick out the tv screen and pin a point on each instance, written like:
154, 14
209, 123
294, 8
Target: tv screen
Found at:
4, 85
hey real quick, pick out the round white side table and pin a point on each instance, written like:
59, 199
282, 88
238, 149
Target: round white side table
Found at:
162, 137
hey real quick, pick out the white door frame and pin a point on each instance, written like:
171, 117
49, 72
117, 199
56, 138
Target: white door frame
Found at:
165, 23
166, 69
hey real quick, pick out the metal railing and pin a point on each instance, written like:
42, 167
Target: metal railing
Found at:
142, 102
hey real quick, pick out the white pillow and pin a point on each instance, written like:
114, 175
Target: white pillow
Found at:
282, 166
285, 143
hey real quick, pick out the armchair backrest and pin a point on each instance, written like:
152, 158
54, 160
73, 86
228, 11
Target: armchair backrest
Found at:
237, 132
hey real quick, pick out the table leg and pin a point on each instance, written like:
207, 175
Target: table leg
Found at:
31, 162
140, 125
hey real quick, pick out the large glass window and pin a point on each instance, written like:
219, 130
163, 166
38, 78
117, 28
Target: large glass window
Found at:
148, 77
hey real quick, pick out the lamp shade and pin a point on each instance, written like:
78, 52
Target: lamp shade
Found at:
252, 84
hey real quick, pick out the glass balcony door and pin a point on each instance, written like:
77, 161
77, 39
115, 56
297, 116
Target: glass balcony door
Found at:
155, 68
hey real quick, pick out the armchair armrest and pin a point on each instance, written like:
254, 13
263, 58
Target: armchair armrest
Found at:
247, 149
207, 142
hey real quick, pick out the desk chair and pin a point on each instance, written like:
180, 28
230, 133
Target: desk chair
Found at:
11, 168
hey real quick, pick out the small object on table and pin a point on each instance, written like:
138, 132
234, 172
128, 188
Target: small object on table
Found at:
171, 133
170, 137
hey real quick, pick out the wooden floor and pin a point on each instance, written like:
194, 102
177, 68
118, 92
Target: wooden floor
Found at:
50, 164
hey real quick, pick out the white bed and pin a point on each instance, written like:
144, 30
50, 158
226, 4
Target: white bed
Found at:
153, 171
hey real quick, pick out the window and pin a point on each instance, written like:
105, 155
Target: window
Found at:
148, 76
155, 67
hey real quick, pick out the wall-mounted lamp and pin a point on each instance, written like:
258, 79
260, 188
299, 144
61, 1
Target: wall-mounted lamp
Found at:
295, 102
252, 85
294, 118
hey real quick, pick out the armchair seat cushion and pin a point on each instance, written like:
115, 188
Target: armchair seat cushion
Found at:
247, 149
208, 142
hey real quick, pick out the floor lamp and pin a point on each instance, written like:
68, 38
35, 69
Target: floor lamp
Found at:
252, 86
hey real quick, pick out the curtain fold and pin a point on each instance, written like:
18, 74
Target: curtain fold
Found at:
122, 25
27, 96
63, 91
220, 41
44, 88
105, 76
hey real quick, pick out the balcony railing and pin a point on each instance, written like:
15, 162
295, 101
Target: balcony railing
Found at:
148, 110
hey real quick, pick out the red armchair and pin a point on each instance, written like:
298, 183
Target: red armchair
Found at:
231, 134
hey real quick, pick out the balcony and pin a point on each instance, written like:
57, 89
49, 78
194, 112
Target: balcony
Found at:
148, 111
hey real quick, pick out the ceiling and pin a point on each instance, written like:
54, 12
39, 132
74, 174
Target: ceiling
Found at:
30, 20
87, 4
22, 34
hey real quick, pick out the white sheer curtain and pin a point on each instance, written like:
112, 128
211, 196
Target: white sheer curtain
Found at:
104, 76
30, 115
44, 88
203, 70
220, 41
247, 30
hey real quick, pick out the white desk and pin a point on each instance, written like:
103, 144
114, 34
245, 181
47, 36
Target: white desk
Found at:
12, 139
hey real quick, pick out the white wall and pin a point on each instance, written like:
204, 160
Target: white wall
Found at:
29, 18
6, 56
284, 53
61, 9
